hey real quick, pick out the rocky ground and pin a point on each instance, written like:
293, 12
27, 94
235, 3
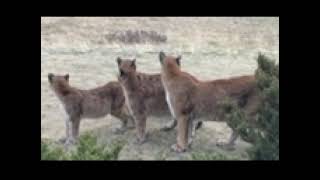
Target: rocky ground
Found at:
211, 48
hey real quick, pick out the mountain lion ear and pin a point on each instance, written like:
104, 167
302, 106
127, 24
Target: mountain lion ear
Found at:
133, 63
50, 76
178, 60
162, 55
66, 77
119, 61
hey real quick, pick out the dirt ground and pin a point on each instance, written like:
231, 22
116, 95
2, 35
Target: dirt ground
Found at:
211, 48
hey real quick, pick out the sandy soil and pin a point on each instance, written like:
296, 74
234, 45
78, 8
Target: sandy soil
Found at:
211, 48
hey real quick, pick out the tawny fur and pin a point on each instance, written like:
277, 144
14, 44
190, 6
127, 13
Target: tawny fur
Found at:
145, 96
194, 99
93, 103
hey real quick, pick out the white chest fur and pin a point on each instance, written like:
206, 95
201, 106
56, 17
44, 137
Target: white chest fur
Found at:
169, 102
127, 101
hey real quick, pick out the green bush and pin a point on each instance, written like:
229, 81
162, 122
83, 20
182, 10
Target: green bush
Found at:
51, 152
267, 144
264, 133
86, 149
237, 120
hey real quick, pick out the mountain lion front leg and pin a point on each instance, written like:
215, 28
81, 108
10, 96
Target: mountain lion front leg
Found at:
140, 122
182, 135
74, 127
196, 125
68, 131
191, 131
125, 114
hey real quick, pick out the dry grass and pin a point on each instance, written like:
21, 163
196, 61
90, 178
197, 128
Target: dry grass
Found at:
211, 48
